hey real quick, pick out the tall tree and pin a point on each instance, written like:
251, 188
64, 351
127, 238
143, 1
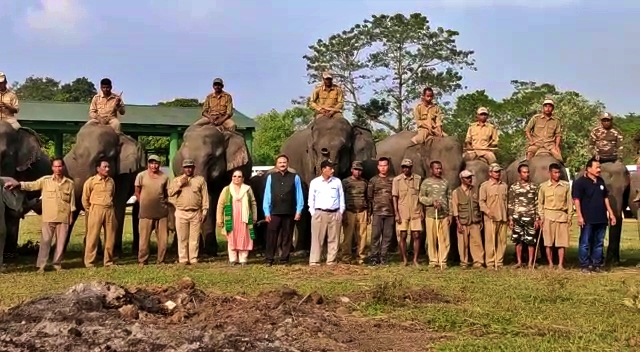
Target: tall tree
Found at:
273, 130
38, 89
80, 90
390, 59
182, 103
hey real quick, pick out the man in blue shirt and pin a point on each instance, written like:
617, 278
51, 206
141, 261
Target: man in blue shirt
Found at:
282, 205
326, 205
592, 205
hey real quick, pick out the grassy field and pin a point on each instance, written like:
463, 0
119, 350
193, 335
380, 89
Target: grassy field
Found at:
512, 309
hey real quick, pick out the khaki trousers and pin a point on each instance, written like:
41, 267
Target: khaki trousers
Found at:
113, 122
100, 217
188, 225
228, 124
487, 155
145, 226
354, 227
49, 231
470, 240
12, 121
325, 226
438, 244
495, 237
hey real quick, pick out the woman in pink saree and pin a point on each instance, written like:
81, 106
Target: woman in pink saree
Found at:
236, 214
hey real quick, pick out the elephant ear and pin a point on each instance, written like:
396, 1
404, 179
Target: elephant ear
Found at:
364, 147
29, 150
237, 153
132, 156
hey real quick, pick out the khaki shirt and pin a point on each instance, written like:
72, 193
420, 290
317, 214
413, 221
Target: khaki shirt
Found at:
105, 108
555, 202
428, 117
98, 191
193, 196
58, 197
153, 195
10, 98
218, 105
482, 136
493, 199
407, 190
328, 98
544, 130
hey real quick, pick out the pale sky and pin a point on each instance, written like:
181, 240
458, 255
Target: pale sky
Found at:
157, 50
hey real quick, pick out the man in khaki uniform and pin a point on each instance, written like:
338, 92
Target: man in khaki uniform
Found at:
356, 218
9, 105
218, 108
428, 118
327, 99
58, 203
105, 106
151, 193
465, 208
97, 200
555, 207
544, 132
435, 194
189, 194
493, 203
409, 212
482, 139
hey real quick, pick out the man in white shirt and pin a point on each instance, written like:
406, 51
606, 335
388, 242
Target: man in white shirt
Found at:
326, 205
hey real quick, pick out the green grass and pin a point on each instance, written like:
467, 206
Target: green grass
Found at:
508, 310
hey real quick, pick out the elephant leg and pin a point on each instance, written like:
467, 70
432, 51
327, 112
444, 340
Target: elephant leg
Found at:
209, 244
135, 222
11, 242
3, 234
613, 249
303, 239
120, 211
454, 256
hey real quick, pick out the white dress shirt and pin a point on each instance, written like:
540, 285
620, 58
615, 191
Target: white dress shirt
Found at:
326, 194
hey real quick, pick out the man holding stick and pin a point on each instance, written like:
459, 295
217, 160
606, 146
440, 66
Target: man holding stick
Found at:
435, 194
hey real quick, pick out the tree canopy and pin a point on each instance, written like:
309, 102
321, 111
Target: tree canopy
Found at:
273, 130
80, 90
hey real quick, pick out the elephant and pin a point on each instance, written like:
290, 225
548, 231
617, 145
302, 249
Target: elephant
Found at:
447, 150
325, 138
480, 171
216, 156
14, 205
94, 143
538, 169
21, 158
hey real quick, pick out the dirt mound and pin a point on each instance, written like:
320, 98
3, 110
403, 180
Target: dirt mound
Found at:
106, 317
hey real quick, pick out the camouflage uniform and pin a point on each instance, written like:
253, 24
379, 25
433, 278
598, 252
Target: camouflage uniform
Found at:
522, 208
437, 229
606, 144
354, 221
379, 194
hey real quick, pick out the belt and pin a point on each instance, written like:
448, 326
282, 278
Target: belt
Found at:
327, 210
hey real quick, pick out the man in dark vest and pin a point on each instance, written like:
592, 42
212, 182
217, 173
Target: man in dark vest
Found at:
282, 205
466, 209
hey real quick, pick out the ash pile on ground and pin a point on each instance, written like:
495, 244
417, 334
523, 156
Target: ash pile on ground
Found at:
101, 316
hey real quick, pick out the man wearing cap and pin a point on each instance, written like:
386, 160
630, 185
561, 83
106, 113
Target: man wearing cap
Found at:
151, 194
379, 194
105, 106
428, 116
356, 218
9, 105
326, 205
189, 194
282, 205
435, 194
606, 140
544, 132
555, 207
218, 108
408, 210
492, 196
482, 139
465, 208
327, 98
97, 199
522, 211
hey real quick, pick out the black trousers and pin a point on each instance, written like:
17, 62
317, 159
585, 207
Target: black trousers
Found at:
279, 236
381, 236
